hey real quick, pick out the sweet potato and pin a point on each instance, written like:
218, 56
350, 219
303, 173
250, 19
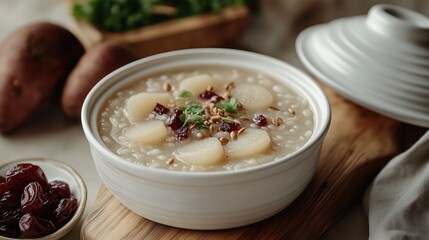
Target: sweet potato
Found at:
34, 60
92, 67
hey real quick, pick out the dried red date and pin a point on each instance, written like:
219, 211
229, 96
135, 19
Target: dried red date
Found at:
214, 98
9, 223
32, 198
11, 216
3, 186
59, 188
160, 109
207, 94
9, 199
260, 120
29, 205
50, 202
229, 126
174, 122
64, 211
32, 226
22, 174
182, 133
9, 230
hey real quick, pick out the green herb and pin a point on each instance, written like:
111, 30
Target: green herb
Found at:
230, 105
193, 114
185, 94
227, 119
123, 15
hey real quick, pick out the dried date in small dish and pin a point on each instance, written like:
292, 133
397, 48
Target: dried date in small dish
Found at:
47, 212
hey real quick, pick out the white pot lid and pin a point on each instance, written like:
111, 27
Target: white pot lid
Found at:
380, 61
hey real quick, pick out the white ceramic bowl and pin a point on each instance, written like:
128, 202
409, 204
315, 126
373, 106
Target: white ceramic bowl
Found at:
207, 200
56, 170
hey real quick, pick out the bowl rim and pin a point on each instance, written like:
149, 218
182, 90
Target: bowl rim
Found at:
82, 189
135, 66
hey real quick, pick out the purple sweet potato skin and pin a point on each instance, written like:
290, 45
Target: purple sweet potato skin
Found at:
34, 60
92, 67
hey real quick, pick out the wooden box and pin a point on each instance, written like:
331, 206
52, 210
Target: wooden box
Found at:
204, 30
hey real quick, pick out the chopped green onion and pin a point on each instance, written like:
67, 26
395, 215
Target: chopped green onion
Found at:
185, 94
230, 105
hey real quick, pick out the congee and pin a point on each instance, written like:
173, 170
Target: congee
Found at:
205, 119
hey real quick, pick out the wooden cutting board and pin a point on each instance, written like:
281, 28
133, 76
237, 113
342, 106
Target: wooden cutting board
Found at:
359, 143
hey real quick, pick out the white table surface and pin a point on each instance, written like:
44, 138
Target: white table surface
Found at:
52, 135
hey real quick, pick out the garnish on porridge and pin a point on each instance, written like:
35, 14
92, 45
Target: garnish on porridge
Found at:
204, 120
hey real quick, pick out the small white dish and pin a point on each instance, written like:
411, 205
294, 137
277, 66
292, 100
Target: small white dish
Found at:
56, 170
380, 61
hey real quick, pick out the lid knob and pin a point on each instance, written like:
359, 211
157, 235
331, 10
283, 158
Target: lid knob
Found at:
398, 22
